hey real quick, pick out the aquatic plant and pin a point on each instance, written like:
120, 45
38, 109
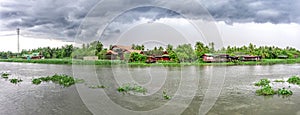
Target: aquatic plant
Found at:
262, 82
15, 81
63, 80
96, 86
166, 96
37, 81
294, 80
5, 75
126, 88
266, 90
279, 80
284, 91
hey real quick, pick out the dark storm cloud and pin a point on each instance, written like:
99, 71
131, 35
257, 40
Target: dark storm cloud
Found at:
61, 18
260, 11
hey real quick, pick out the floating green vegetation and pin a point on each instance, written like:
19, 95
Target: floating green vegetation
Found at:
63, 80
166, 96
15, 81
294, 80
37, 81
262, 82
284, 91
132, 88
5, 75
266, 90
279, 80
96, 86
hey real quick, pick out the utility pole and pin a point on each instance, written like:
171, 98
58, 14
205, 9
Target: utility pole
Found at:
18, 32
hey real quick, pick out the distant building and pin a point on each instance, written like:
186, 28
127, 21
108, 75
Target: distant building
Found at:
119, 51
33, 56
250, 58
90, 58
282, 57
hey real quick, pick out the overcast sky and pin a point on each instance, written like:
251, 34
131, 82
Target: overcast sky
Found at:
153, 22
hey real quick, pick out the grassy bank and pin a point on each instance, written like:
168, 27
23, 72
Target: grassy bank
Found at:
115, 62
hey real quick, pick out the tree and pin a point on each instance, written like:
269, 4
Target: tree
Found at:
185, 53
99, 46
200, 49
169, 47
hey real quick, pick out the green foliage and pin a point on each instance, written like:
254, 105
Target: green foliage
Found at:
126, 88
15, 81
166, 96
262, 82
185, 53
136, 57
266, 90
284, 91
294, 80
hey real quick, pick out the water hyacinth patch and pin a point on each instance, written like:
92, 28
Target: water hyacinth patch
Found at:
284, 91
294, 80
63, 80
132, 88
279, 80
266, 90
166, 96
96, 86
262, 82
5, 75
15, 81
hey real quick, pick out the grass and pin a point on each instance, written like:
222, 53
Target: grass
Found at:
262, 82
127, 88
166, 96
63, 80
294, 80
15, 81
5, 75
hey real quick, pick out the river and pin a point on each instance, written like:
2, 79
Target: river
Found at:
209, 90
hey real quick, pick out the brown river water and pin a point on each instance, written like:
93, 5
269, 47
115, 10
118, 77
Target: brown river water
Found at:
211, 90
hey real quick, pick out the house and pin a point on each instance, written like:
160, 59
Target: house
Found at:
218, 58
112, 55
208, 58
32, 56
119, 51
153, 58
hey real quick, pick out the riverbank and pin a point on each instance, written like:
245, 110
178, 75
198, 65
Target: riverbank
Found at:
115, 62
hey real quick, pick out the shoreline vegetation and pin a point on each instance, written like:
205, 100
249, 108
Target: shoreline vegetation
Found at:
95, 53
120, 62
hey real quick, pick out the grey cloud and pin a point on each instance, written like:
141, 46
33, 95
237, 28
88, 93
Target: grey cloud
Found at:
61, 18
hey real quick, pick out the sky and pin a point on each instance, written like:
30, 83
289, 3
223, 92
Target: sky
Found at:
151, 22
